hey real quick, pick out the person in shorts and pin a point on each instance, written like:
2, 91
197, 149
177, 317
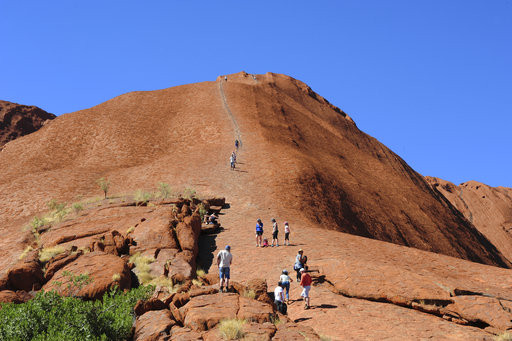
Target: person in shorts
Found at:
275, 232
305, 283
286, 233
259, 232
224, 260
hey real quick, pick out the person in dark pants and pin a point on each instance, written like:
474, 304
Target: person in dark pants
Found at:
237, 144
300, 262
279, 298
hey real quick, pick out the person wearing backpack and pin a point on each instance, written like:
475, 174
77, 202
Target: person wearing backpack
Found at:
300, 262
259, 232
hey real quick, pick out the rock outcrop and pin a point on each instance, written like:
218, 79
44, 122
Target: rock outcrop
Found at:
17, 120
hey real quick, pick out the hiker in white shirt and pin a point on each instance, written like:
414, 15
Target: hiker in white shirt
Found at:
224, 259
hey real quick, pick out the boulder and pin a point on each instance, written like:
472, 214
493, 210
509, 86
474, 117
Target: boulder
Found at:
26, 274
204, 312
182, 267
8, 296
293, 332
259, 286
56, 263
154, 232
254, 311
104, 270
185, 334
252, 331
142, 307
153, 325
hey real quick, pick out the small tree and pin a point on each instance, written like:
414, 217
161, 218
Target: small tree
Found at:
104, 185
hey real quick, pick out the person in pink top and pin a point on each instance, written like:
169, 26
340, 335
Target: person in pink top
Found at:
305, 283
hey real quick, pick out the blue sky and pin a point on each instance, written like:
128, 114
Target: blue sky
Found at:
432, 80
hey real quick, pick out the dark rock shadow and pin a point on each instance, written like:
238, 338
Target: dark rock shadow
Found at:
207, 246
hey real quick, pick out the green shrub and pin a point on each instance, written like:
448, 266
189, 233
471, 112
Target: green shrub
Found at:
141, 197
232, 329
164, 190
50, 316
104, 185
202, 211
77, 207
54, 205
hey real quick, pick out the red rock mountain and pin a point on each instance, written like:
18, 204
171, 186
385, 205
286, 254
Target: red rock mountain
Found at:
18, 120
487, 208
304, 160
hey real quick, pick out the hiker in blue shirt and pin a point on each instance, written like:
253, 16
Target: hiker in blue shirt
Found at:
259, 232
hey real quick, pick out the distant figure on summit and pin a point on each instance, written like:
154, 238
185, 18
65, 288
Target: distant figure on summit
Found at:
237, 144
225, 78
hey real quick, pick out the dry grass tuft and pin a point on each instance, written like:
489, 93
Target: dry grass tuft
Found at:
232, 329
142, 267
48, 253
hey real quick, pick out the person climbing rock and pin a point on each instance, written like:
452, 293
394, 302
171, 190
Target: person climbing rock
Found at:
300, 262
286, 233
279, 299
232, 162
225, 78
233, 154
224, 260
305, 283
286, 280
275, 231
237, 144
259, 232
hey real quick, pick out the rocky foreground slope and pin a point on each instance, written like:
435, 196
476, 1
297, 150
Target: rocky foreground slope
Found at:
17, 120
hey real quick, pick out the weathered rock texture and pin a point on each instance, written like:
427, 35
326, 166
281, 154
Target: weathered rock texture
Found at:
488, 208
17, 120
297, 145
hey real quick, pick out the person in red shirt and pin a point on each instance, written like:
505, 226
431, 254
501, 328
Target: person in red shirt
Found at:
305, 283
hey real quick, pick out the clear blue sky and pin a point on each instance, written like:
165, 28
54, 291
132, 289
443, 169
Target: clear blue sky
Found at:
430, 79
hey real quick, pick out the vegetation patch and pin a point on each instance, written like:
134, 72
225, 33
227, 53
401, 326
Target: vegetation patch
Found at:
249, 294
142, 267
164, 190
104, 184
48, 253
232, 329
50, 316
189, 193
141, 197
25, 252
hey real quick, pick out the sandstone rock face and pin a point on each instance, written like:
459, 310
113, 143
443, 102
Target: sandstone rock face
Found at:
8, 296
105, 271
488, 208
17, 120
153, 325
26, 275
346, 180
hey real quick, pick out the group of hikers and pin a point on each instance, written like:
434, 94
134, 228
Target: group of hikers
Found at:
282, 290
263, 242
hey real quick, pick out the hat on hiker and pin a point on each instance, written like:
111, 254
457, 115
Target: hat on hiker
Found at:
228, 247
259, 220
273, 219
286, 223
285, 272
300, 250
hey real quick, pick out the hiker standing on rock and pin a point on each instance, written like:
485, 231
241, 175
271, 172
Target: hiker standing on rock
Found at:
279, 299
286, 233
259, 232
300, 262
224, 259
286, 280
305, 283
275, 231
